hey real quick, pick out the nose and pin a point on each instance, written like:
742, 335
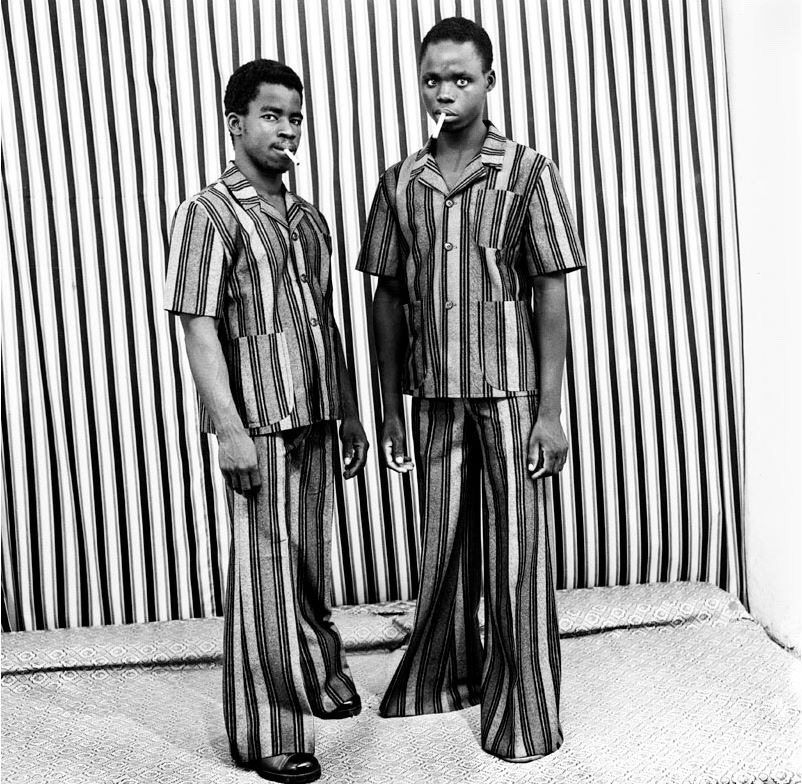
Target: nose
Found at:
287, 130
445, 94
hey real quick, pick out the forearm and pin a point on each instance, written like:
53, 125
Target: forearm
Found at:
209, 369
347, 396
390, 334
551, 330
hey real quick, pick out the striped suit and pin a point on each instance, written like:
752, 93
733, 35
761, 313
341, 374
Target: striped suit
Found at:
233, 257
266, 279
467, 256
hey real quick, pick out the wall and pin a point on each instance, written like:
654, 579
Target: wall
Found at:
113, 510
763, 45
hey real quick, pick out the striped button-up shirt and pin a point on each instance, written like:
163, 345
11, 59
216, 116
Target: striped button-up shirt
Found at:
267, 280
467, 256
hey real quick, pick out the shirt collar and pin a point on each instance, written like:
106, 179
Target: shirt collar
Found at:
495, 147
241, 189
492, 152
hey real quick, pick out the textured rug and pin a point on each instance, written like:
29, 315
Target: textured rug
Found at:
661, 683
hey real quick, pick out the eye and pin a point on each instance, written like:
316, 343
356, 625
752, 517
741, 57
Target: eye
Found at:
296, 121
430, 82
462, 82
269, 116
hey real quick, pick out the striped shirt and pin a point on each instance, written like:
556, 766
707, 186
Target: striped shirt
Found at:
467, 256
267, 279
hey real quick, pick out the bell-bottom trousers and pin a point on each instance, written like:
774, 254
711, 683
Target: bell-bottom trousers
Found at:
460, 445
283, 657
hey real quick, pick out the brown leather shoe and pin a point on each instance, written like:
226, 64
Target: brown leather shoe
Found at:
344, 710
297, 768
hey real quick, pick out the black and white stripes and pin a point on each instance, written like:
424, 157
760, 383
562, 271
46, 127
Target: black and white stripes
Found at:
112, 510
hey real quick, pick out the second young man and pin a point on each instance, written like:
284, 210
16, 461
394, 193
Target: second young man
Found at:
250, 275
465, 235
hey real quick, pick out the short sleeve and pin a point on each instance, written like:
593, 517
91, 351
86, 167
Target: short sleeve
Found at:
326, 231
383, 245
197, 263
552, 242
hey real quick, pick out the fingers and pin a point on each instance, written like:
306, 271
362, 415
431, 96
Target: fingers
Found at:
534, 460
348, 453
244, 481
239, 463
394, 457
232, 477
548, 463
355, 459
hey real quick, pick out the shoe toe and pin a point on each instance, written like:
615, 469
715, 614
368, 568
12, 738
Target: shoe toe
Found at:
295, 768
350, 707
300, 763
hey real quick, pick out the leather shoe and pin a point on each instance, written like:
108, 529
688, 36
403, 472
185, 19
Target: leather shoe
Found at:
297, 768
351, 707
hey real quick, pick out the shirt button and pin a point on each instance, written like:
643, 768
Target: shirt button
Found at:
295, 235
448, 246
313, 322
303, 278
449, 203
449, 305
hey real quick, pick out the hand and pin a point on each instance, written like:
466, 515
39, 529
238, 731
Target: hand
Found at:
394, 445
239, 463
548, 448
355, 446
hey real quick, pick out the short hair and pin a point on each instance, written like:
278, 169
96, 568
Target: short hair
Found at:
243, 86
460, 30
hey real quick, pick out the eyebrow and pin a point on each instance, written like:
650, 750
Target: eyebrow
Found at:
453, 74
279, 110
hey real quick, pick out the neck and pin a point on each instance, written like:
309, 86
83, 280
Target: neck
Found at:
463, 142
266, 183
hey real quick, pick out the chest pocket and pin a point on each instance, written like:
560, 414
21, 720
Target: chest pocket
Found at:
496, 217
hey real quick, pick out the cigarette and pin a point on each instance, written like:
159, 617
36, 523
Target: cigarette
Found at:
440, 120
291, 157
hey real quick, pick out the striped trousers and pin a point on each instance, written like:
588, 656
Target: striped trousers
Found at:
283, 657
460, 446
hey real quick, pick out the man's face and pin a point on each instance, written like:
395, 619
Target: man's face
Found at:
452, 82
272, 124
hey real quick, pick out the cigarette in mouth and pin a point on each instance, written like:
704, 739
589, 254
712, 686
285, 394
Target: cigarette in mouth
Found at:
440, 120
291, 157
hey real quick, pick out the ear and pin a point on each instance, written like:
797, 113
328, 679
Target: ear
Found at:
234, 123
490, 80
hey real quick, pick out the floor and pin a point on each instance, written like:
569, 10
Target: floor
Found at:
671, 683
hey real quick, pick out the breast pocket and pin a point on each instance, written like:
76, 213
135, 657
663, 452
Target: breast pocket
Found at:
496, 217
507, 345
265, 378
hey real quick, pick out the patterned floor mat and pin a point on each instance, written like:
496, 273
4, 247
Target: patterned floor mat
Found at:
661, 683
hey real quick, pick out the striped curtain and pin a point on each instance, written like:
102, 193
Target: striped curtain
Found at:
113, 510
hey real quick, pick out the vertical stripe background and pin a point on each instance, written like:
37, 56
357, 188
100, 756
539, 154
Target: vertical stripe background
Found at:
112, 509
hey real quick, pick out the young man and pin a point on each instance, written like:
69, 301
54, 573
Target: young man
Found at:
249, 272
462, 234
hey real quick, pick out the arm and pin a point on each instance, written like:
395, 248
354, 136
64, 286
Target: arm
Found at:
237, 453
352, 434
548, 446
390, 332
